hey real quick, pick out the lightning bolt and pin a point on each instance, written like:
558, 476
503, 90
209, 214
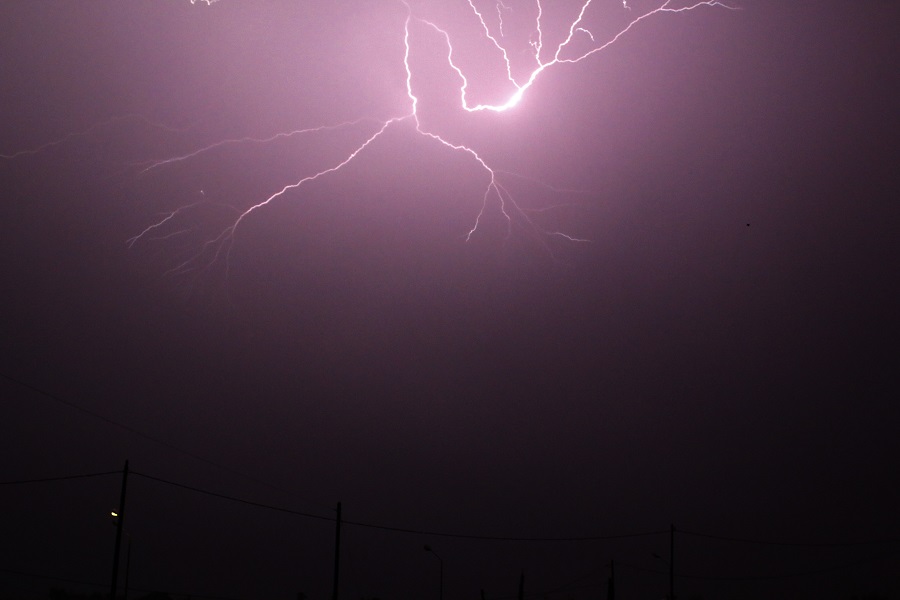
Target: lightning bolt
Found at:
153, 164
500, 8
89, 131
218, 247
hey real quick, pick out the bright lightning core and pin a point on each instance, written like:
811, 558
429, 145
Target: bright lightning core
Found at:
492, 19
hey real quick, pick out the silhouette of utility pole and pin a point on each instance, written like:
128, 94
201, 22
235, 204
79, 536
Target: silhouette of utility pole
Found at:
522, 585
127, 566
672, 563
337, 552
120, 518
611, 582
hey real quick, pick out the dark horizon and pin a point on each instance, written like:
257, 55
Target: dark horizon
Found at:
686, 316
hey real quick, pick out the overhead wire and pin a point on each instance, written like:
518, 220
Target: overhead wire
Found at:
486, 537
137, 432
400, 529
435, 533
791, 543
806, 573
232, 498
62, 478
207, 461
830, 569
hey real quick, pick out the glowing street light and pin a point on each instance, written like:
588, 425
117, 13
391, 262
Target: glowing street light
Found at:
115, 523
119, 518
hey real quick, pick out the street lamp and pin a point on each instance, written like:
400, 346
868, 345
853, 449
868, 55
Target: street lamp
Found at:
428, 549
115, 518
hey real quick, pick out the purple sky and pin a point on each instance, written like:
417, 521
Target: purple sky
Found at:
721, 355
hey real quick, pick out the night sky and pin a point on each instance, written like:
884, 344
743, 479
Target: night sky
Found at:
720, 354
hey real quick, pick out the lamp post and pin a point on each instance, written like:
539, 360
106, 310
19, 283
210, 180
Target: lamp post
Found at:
441, 593
127, 564
116, 522
119, 516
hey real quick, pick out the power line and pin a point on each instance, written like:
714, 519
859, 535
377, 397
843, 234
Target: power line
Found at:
81, 409
202, 459
136, 432
450, 534
497, 538
791, 543
399, 529
791, 575
63, 478
764, 577
480, 537
105, 419
232, 498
